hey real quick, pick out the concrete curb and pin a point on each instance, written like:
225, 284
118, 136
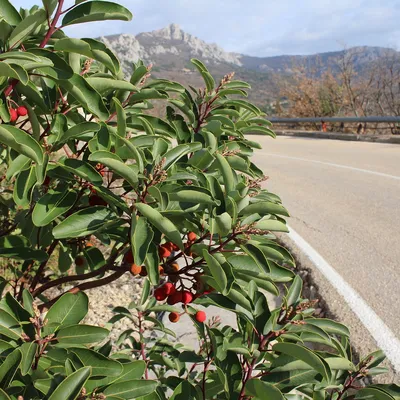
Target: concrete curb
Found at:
388, 139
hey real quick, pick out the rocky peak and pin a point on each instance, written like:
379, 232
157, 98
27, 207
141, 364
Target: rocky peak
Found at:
170, 32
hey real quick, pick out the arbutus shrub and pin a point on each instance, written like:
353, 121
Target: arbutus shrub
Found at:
173, 199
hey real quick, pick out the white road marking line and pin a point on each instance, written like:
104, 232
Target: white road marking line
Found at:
382, 334
367, 171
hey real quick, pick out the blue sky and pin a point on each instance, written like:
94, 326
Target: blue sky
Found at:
262, 27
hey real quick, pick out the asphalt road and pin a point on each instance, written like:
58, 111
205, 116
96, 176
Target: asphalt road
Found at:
344, 200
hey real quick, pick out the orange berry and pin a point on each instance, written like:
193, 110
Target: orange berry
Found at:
135, 269
89, 244
192, 236
163, 251
175, 267
200, 316
174, 317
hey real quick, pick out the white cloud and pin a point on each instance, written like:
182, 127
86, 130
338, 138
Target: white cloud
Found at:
261, 27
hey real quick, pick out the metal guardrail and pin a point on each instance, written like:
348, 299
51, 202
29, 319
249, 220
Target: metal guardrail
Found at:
362, 120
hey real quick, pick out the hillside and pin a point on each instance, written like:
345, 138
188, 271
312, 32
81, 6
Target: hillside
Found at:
170, 50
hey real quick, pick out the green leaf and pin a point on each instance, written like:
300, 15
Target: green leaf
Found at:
295, 290
152, 263
4, 395
330, 326
116, 165
9, 368
82, 169
9, 13
101, 366
141, 237
52, 205
373, 393
192, 196
96, 11
50, 6
9, 326
223, 224
86, 95
163, 224
131, 389
71, 387
13, 246
28, 351
92, 49
69, 309
263, 390
258, 129
208, 79
14, 71
303, 354
81, 334
226, 171
78, 130
271, 225
217, 272
23, 187
26, 27
264, 208
106, 85
84, 222
22, 143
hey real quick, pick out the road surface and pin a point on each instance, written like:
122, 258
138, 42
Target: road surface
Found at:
344, 201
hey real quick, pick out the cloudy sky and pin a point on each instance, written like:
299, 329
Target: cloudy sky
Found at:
262, 27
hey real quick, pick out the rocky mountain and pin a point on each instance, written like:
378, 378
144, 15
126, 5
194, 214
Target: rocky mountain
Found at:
170, 50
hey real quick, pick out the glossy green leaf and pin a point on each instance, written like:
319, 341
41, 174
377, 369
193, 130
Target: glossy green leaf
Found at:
23, 187
13, 246
9, 326
131, 389
208, 79
264, 208
263, 390
82, 169
226, 171
100, 366
217, 272
9, 13
78, 130
141, 237
26, 27
9, 368
28, 351
84, 222
50, 6
68, 310
81, 334
14, 71
70, 388
96, 11
163, 224
303, 354
115, 164
52, 205
294, 294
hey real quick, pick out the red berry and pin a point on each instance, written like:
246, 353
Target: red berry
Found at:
174, 317
13, 115
169, 246
163, 251
160, 294
174, 298
192, 236
169, 288
22, 111
187, 297
200, 316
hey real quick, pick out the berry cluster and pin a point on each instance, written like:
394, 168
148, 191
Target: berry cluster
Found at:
21, 111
